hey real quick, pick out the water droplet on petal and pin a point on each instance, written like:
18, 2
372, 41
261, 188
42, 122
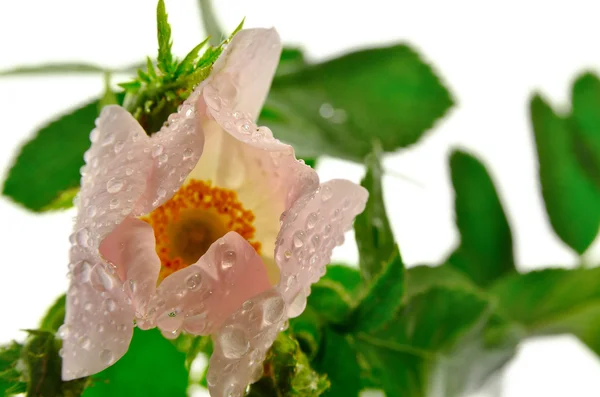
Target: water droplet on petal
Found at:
247, 305
128, 171
114, 203
94, 135
63, 331
273, 310
119, 146
82, 271
193, 282
228, 259
298, 305
82, 238
114, 185
234, 343
110, 305
157, 150
100, 279
85, 342
299, 238
88, 307
107, 357
311, 220
326, 193
91, 211
187, 153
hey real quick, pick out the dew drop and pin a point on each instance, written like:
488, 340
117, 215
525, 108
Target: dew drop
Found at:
187, 153
128, 171
88, 307
228, 259
299, 238
107, 357
91, 211
247, 305
114, 185
161, 192
213, 101
119, 146
298, 305
82, 271
315, 240
234, 343
162, 159
157, 150
100, 279
110, 305
82, 238
85, 342
326, 193
273, 310
193, 282
114, 203
94, 135
287, 254
291, 281
311, 220
63, 331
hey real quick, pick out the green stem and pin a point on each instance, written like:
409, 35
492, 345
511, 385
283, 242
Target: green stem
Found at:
211, 26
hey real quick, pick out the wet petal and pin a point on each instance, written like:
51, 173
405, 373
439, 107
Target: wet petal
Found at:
200, 297
98, 323
242, 343
310, 230
131, 247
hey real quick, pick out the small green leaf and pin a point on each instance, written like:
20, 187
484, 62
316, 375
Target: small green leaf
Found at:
288, 373
48, 165
11, 379
383, 298
438, 343
575, 216
109, 97
485, 252
165, 61
187, 65
554, 301
291, 60
44, 367
55, 316
421, 278
586, 119
192, 346
151, 367
374, 235
339, 107
307, 329
338, 360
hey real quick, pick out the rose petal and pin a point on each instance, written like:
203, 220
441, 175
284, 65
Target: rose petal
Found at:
242, 75
98, 323
200, 297
310, 230
241, 344
131, 247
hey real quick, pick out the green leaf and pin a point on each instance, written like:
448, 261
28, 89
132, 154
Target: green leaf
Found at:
151, 367
383, 298
291, 60
374, 235
339, 107
437, 344
11, 379
48, 165
586, 119
55, 316
308, 331
63, 201
187, 65
44, 367
421, 278
338, 360
485, 252
575, 216
331, 300
288, 373
191, 346
553, 301
53, 68
165, 61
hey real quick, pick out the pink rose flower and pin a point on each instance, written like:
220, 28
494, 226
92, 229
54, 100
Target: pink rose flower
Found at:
210, 226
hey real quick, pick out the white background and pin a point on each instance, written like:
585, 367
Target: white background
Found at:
491, 56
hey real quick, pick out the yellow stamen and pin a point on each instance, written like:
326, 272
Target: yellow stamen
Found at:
195, 217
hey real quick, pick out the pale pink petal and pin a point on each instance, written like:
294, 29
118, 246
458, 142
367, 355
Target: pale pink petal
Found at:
131, 247
200, 297
310, 230
241, 344
239, 155
242, 75
98, 322
175, 150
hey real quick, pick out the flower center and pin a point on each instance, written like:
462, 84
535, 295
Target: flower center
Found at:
194, 218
